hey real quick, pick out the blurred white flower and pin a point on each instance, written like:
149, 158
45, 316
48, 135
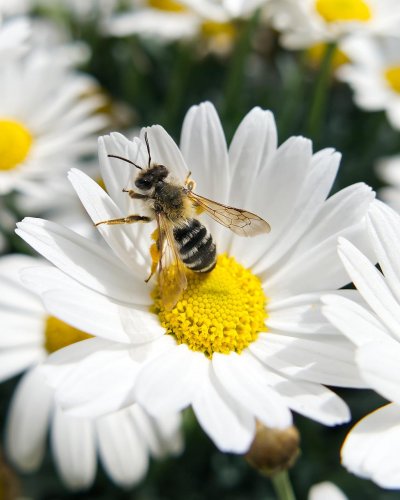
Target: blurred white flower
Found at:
14, 36
124, 440
81, 9
326, 491
388, 169
306, 22
371, 448
259, 345
48, 120
14, 7
224, 10
374, 74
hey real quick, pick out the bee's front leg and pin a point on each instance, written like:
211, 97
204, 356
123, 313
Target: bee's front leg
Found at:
125, 220
137, 196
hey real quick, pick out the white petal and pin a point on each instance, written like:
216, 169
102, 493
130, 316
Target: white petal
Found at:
371, 284
13, 361
227, 423
28, 420
83, 260
74, 449
315, 360
353, 320
371, 447
384, 227
100, 207
326, 491
122, 449
168, 383
379, 365
245, 379
165, 151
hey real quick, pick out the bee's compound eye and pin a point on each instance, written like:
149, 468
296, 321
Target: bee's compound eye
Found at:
143, 184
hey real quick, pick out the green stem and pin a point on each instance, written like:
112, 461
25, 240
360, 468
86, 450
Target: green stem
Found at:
236, 72
319, 101
282, 486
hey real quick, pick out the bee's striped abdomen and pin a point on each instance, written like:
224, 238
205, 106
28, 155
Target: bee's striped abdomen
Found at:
196, 247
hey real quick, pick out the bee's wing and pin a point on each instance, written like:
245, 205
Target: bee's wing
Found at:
237, 220
172, 275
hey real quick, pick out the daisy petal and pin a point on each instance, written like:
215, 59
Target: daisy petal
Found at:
226, 422
97, 269
245, 380
382, 376
74, 449
371, 447
355, 321
28, 420
371, 284
160, 387
122, 449
14, 361
384, 227
330, 363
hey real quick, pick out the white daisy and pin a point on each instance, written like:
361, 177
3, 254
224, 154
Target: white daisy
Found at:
163, 19
224, 10
123, 439
374, 74
15, 7
388, 169
47, 120
306, 22
371, 448
246, 342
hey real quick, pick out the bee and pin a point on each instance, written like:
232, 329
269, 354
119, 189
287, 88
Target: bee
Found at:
181, 240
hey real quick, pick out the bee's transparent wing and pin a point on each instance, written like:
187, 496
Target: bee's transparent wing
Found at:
172, 275
239, 221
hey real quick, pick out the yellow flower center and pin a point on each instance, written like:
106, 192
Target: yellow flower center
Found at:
59, 334
211, 29
168, 5
392, 75
222, 311
15, 143
343, 10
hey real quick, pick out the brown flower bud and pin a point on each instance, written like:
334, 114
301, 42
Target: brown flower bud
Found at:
273, 450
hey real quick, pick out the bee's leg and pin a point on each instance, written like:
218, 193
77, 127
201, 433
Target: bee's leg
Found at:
137, 196
125, 220
189, 183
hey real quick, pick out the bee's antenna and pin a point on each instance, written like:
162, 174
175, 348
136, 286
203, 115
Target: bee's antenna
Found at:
125, 159
148, 147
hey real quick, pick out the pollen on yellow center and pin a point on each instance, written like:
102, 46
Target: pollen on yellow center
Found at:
168, 5
343, 10
59, 334
222, 311
15, 143
392, 75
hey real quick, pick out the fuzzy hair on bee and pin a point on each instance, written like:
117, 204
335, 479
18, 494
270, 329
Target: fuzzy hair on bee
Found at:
182, 242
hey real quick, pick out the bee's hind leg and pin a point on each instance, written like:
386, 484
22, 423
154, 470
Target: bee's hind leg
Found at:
130, 219
136, 196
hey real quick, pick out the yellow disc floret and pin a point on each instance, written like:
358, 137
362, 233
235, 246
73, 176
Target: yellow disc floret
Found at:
59, 334
392, 75
15, 143
167, 5
222, 311
343, 10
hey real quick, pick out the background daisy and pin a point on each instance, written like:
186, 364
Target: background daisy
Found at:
123, 440
281, 358
370, 449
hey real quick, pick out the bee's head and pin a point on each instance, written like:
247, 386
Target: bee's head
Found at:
151, 176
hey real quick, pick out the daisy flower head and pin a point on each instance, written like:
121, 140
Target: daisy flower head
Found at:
326, 491
244, 342
124, 440
48, 118
372, 324
374, 74
306, 22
